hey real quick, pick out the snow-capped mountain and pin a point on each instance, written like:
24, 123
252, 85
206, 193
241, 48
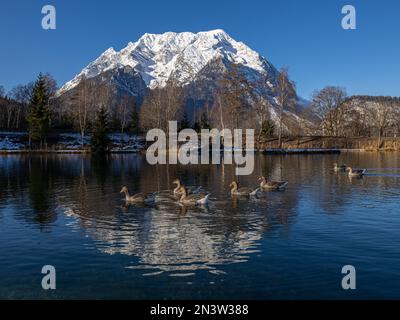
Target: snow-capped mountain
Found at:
196, 61
159, 57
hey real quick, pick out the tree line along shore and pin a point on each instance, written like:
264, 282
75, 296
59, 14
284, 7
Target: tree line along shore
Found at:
332, 120
67, 142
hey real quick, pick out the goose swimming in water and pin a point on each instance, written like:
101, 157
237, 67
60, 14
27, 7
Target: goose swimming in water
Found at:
357, 172
337, 168
193, 199
272, 185
178, 188
136, 198
236, 191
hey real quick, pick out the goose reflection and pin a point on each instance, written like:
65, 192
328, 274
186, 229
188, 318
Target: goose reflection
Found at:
167, 235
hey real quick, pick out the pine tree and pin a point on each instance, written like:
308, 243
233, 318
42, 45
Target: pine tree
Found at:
197, 127
184, 123
267, 128
99, 140
204, 123
38, 117
135, 122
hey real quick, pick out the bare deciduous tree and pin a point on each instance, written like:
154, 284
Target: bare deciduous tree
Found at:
396, 111
286, 97
89, 98
380, 117
22, 95
162, 105
81, 107
328, 106
217, 111
262, 106
233, 96
124, 110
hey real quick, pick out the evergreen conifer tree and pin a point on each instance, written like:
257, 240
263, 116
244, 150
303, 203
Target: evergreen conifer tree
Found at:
99, 140
204, 123
184, 123
38, 117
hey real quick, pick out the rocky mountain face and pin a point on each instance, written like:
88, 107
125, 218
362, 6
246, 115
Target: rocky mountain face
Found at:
195, 61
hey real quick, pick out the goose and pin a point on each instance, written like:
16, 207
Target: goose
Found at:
193, 199
271, 185
337, 168
136, 198
357, 172
236, 191
179, 186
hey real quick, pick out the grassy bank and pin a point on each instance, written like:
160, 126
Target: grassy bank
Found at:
367, 144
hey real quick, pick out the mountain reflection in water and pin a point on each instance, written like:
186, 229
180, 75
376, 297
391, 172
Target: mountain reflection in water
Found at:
71, 206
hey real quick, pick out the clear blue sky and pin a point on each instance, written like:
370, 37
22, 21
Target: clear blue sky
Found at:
305, 36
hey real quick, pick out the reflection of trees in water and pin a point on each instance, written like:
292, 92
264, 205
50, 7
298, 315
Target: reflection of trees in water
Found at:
39, 184
168, 234
13, 173
28, 181
100, 167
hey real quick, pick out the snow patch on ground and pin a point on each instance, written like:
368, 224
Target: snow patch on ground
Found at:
10, 144
73, 141
120, 142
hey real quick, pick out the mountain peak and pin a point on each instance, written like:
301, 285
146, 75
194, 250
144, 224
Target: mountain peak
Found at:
215, 32
109, 51
158, 57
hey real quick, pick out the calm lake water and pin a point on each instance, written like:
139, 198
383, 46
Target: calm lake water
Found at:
66, 211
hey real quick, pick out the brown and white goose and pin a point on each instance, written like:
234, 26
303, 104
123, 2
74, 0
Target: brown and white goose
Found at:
357, 172
178, 188
236, 191
271, 185
338, 168
193, 199
136, 198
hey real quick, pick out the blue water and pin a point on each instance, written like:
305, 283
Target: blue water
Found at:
66, 211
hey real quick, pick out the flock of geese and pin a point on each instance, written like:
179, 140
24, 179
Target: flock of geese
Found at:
352, 173
186, 196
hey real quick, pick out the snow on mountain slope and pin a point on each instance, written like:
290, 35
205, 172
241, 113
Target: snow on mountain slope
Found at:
158, 56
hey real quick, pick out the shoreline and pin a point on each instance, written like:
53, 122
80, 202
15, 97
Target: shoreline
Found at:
27, 151
72, 143
268, 151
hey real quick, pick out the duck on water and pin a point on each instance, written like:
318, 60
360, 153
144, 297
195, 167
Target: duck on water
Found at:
266, 185
338, 168
356, 172
193, 199
236, 191
136, 198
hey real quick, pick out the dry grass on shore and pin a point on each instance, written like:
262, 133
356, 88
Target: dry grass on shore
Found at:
367, 144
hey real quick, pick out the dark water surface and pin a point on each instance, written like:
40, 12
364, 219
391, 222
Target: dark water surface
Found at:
66, 211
